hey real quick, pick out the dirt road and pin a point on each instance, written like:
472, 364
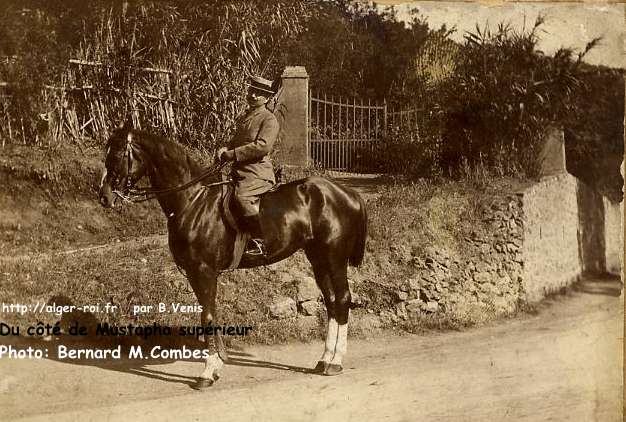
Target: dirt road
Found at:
565, 363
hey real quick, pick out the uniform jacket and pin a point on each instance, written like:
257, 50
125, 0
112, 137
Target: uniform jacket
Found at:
255, 136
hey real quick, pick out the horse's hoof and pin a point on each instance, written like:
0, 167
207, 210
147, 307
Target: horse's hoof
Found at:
221, 349
223, 355
333, 369
320, 368
202, 383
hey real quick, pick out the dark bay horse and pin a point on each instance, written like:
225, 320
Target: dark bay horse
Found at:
328, 221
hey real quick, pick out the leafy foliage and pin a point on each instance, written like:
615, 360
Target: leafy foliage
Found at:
487, 101
491, 100
210, 48
503, 96
355, 49
437, 59
402, 153
28, 58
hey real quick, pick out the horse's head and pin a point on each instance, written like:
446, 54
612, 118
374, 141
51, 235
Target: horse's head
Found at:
123, 165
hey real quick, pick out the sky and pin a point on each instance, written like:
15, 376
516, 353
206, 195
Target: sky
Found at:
567, 24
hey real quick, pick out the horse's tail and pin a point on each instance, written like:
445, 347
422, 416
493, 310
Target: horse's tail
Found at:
358, 249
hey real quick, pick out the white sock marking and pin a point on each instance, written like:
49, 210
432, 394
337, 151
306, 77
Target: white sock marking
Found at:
331, 340
341, 348
212, 366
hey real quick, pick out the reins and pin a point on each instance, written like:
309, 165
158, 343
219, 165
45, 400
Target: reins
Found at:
142, 195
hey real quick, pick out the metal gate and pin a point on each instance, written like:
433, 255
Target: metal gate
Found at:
348, 134
344, 133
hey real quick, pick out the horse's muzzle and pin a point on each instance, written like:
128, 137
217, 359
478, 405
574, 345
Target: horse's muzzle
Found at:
107, 197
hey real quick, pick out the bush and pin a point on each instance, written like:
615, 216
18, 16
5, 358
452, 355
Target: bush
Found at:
487, 102
503, 96
406, 152
210, 49
28, 60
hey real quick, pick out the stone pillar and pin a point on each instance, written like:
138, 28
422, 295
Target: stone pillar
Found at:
552, 153
294, 106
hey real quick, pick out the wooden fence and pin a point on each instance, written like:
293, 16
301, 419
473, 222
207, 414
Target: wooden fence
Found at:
91, 98
98, 97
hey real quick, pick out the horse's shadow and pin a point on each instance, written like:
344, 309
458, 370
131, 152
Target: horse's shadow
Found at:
255, 363
140, 367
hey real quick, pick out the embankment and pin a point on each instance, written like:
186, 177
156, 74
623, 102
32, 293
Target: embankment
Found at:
443, 255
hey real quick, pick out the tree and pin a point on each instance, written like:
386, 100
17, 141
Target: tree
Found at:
352, 49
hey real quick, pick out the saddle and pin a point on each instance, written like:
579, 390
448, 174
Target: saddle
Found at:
241, 236
231, 217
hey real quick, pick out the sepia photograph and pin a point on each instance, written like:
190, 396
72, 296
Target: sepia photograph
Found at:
311, 210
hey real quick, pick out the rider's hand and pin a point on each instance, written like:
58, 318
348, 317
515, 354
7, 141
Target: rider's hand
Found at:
227, 155
218, 154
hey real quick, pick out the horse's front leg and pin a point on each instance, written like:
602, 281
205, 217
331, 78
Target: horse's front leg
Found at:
204, 284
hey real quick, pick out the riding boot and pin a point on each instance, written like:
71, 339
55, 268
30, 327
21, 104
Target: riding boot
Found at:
256, 245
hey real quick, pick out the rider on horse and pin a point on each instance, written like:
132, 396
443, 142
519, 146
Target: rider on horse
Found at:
256, 132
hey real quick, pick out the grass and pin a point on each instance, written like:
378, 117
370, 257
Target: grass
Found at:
413, 220
49, 202
409, 218
407, 221
144, 274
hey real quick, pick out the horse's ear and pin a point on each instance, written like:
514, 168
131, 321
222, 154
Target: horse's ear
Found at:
127, 128
128, 124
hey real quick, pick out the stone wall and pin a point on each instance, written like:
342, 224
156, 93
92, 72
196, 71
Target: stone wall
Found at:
551, 257
526, 246
516, 249
484, 276
614, 235
478, 279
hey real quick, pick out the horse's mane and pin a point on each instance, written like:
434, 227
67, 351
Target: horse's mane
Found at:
172, 149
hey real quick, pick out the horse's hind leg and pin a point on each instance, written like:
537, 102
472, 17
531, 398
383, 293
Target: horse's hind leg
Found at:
331, 277
339, 278
323, 280
204, 284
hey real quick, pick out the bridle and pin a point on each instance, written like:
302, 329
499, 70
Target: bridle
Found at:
145, 194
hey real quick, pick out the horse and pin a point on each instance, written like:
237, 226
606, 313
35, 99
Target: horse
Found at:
325, 219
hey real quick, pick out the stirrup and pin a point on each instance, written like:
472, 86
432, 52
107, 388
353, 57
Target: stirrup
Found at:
257, 249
